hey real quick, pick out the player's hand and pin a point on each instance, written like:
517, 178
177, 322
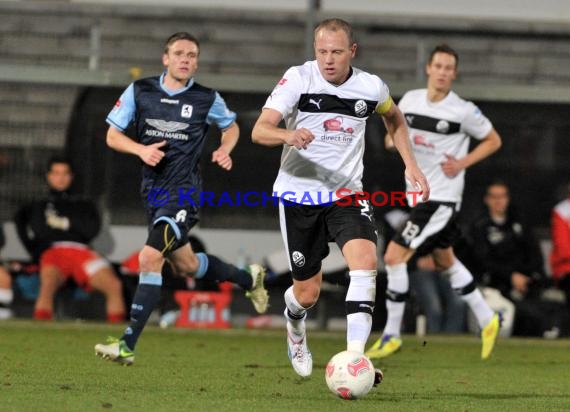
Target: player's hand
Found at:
151, 154
222, 159
451, 167
300, 138
418, 181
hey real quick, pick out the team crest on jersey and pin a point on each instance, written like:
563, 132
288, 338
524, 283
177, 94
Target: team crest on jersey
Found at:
442, 126
298, 259
360, 108
186, 111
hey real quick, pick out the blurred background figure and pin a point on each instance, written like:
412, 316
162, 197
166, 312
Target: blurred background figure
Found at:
509, 259
444, 310
56, 231
560, 255
6, 293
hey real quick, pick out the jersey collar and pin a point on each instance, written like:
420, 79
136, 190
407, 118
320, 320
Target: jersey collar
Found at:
177, 91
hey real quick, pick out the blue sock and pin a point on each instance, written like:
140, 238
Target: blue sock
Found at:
145, 300
212, 268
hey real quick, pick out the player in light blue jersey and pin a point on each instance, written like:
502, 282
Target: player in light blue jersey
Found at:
171, 114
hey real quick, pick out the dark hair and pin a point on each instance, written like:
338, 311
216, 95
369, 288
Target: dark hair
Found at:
336, 24
58, 159
496, 182
181, 35
444, 48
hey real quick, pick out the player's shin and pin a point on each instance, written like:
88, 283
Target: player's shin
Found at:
213, 268
463, 284
360, 299
145, 300
396, 294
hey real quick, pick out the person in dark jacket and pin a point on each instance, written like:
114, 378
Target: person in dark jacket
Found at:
509, 258
56, 231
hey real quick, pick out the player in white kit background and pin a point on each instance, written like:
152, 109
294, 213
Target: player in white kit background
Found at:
325, 104
440, 124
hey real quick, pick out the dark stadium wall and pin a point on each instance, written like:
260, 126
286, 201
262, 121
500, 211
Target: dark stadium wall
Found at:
533, 160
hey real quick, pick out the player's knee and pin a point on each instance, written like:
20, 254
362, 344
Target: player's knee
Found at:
443, 264
368, 261
308, 297
391, 259
150, 260
396, 254
186, 266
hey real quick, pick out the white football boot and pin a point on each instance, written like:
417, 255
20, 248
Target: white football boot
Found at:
299, 353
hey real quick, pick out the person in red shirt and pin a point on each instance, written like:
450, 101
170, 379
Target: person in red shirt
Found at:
6, 293
57, 231
560, 255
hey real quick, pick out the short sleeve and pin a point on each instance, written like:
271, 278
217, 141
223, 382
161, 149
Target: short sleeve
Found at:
475, 124
285, 96
220, 114
385, 101
123, 113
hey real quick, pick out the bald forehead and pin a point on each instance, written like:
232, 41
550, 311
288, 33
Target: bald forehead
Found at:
328, 33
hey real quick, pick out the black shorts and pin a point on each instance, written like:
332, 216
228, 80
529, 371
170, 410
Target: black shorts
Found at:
307, 231
181, 220
431, 225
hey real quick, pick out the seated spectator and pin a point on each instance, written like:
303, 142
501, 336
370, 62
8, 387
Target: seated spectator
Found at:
510, 260
6, 293
444, 310
560, 255
56, 231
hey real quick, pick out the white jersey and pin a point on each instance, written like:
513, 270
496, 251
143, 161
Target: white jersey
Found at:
336, 115
441, 128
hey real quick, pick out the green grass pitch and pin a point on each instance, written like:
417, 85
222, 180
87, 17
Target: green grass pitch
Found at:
52, 367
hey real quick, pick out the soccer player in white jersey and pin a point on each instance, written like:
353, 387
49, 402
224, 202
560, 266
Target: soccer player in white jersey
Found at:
440, 124
325, 104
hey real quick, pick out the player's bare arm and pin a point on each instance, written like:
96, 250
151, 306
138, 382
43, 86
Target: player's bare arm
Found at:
150, 155
389, 143
268, 133
398, 131
489, 145
221, 156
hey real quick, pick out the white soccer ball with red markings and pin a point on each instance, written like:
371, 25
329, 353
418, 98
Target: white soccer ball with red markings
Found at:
350, 375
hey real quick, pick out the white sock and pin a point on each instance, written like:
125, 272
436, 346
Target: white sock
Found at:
397, 282
361, 289
295, 325
6, 297
460, 277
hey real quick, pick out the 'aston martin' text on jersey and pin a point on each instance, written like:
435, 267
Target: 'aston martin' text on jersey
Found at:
441, 128
336, 115
181, 118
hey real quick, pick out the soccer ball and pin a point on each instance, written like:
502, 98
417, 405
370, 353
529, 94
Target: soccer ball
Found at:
350, 375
